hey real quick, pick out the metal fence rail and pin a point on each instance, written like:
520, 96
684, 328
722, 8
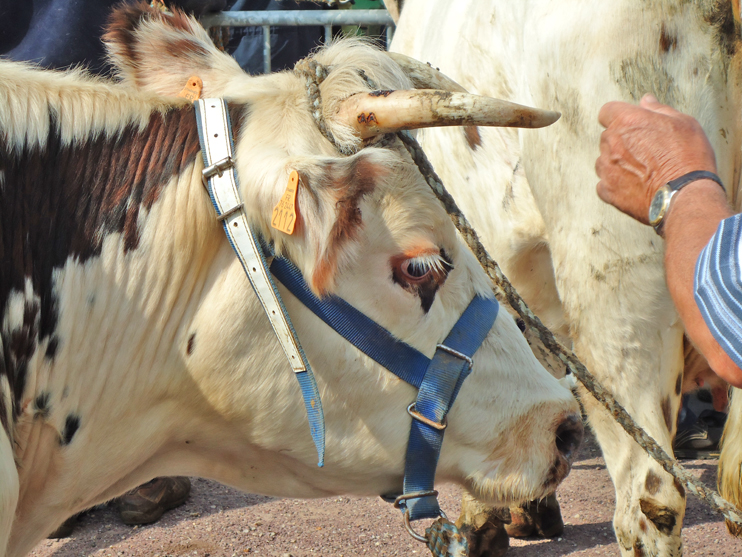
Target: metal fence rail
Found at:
292, 18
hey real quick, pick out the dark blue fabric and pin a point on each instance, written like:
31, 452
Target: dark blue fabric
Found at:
288, 44
437, 394
439, 380
373, 340
62, 33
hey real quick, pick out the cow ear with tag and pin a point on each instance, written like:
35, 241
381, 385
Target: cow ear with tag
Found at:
329, 216
158, 52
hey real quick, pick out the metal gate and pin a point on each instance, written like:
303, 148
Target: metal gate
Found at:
291, 18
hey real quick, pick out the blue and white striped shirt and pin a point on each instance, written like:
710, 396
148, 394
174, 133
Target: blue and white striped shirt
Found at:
718, 286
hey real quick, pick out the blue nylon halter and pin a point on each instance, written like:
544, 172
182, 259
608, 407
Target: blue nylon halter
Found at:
438, 380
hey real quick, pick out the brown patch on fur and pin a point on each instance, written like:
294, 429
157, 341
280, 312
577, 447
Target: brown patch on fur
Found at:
123, 27
652, 483
679, 384
668, 41
662, 517
679, 487
638, 549
189, 346
188, 47
473, 139
351, 184
643, 525
720, 16
666, 407
61, 202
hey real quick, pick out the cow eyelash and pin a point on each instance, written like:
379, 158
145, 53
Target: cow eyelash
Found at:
418, 268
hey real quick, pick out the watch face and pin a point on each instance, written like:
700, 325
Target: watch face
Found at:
659, 206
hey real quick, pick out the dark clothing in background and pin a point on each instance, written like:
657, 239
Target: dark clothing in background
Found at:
63, 33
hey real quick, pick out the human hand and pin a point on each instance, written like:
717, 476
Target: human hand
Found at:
643, 148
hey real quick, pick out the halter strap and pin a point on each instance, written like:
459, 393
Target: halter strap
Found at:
220, 179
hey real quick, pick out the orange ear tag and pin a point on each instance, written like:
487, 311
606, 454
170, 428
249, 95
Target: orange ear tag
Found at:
192, 90
284, 213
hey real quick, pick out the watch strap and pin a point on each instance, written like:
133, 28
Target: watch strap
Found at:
682, 181
694, 176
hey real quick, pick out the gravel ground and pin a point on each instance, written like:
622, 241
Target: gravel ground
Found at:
221, 522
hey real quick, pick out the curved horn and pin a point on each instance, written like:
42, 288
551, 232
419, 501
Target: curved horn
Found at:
379, 112
424, 76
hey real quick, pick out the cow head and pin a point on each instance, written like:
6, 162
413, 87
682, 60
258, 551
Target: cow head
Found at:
369, 230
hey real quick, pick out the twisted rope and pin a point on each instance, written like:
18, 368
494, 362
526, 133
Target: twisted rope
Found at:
538, 335
504, 291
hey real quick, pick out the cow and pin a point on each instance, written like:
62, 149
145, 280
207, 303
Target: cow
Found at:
592, 274
132, 344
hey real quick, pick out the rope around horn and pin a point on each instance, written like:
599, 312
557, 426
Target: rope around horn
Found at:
536, 333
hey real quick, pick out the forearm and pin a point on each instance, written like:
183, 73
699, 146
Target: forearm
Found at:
694, 217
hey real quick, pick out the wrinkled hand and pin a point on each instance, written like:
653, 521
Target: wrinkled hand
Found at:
643, 148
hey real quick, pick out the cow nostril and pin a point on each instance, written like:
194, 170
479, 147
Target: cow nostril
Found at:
569, 436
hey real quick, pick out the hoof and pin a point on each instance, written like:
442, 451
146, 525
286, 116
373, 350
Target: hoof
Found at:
484, 528
148, 502
734, 529
542, 519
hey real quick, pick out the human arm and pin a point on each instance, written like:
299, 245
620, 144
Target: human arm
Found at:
643, 148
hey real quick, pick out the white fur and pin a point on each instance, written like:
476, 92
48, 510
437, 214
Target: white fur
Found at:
587, 270
232, 410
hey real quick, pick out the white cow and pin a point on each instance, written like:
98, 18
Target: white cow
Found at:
132, 343
591, 273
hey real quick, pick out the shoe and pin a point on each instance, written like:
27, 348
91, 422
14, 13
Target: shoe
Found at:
148, 502
65, 529
701, 439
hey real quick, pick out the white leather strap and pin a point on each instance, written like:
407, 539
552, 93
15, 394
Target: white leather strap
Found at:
216, 144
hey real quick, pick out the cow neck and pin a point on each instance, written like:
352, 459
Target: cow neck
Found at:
220, 179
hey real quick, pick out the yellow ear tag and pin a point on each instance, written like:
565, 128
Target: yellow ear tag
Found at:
192, 89
284, 213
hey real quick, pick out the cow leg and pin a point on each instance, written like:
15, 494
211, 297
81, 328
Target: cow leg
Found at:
730, 462
9, 487
484, 528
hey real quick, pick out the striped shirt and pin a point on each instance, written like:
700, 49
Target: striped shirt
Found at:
718, 286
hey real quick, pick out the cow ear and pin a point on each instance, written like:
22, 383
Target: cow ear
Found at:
157, 52
331, 220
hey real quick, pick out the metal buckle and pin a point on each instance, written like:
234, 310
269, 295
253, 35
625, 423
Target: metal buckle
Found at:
456, 353
217, 168
420, 418
230, 212
399, 502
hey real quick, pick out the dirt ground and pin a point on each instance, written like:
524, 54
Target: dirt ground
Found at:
221, 522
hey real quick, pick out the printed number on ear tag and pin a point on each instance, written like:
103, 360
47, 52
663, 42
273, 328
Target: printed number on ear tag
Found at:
284, 214
192, 89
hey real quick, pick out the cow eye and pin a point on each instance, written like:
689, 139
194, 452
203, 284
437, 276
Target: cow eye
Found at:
419, 269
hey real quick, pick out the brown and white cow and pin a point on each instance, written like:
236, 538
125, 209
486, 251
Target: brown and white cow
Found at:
132, 343
590, 272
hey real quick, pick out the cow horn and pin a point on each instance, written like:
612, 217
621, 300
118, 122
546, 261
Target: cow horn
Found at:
424, 76
379, 112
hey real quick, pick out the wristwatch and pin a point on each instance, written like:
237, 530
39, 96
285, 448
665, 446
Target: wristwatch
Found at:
663, 196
